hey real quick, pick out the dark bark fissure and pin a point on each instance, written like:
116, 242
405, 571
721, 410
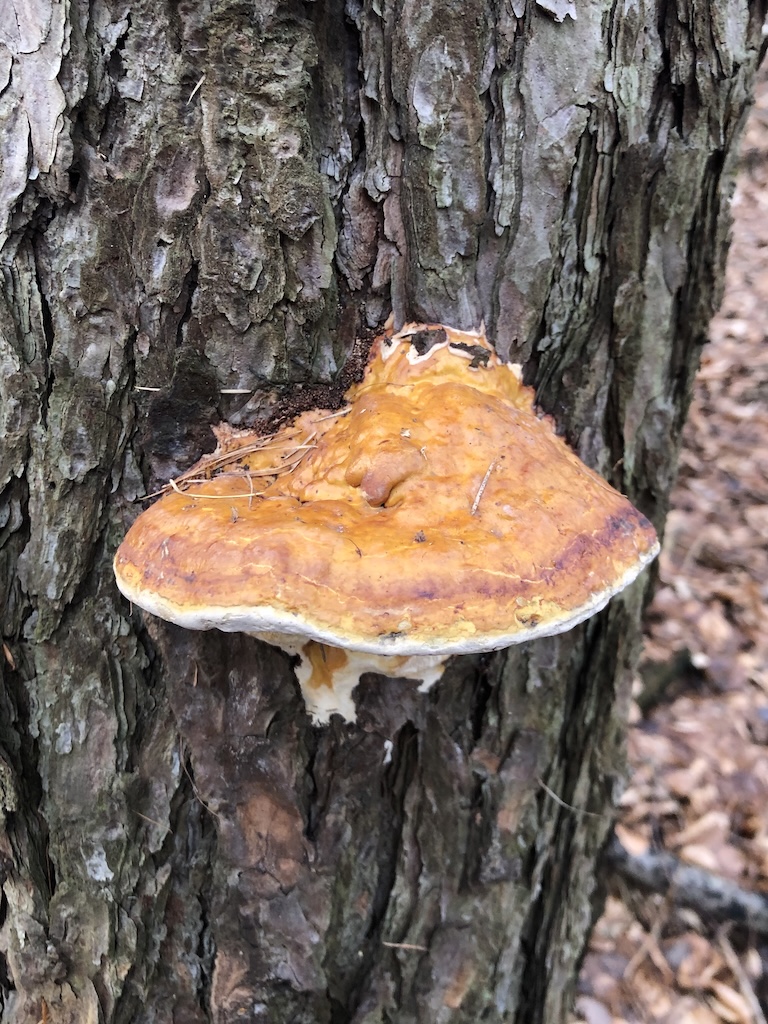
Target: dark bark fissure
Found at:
21, 790
47, 327
184, 906
349, 981
539, 931
186, 300
6, 983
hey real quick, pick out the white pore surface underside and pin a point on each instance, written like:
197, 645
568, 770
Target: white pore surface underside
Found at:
324, 701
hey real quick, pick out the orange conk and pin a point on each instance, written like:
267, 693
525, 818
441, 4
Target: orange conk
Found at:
437, 513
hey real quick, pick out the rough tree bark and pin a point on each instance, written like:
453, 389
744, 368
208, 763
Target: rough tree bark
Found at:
218, 194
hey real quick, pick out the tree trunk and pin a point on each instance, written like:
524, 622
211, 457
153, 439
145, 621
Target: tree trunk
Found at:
212, 195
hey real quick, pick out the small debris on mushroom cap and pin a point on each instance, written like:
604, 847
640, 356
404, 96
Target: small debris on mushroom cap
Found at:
435, 514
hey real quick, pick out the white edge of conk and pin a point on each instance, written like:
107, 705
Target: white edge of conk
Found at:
263, 619
394, 341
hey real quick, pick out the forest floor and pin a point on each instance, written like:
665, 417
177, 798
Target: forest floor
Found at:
698, 747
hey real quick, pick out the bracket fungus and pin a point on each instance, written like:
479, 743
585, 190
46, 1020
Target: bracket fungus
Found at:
434, 514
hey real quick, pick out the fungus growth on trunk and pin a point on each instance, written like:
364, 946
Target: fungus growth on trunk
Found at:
434, 514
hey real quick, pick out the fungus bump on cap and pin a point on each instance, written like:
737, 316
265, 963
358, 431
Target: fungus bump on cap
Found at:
435, 514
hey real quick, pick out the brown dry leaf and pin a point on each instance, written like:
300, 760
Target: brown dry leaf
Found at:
633, 842
731, 862
704, 797
732, 1004
710, 828
753, 964
699, 964
694, 1014
757, 518
699, 856
683, 781
714, 629
592, 1011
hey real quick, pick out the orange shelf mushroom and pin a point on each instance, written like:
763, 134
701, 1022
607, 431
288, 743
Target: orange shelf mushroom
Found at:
435, 514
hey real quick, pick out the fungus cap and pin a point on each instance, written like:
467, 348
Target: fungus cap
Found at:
435, 514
